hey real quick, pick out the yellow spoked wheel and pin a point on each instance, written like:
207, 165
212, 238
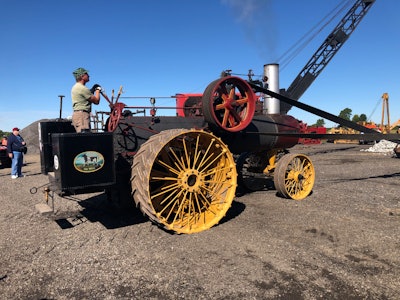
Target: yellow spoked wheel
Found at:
184, 180
294, 176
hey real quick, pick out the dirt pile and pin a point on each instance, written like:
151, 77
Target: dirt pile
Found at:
31, 135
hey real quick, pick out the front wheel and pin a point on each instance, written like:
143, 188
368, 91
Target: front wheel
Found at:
294, 176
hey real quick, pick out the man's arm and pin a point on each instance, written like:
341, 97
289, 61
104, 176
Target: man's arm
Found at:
96, 90
10, 141
95, 99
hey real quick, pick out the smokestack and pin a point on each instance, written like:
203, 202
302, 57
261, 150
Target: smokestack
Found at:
272, 105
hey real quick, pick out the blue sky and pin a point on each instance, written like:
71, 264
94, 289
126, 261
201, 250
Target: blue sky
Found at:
160, 48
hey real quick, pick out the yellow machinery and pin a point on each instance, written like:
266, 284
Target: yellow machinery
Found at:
345, 130
342, 130
387, 128
394, 125
385, 105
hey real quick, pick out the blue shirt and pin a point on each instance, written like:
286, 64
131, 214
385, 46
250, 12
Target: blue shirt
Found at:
14, 143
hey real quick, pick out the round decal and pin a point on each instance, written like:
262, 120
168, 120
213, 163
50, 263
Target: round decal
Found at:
88, 161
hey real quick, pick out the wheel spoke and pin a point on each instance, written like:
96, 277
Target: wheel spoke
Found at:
241, 102
187, 156
225, 118
210, 163
171, 209
221, 106
231, 94
173, 201
178, 161
165, 190
235, 118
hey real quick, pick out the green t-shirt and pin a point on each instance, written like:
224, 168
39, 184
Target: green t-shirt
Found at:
80, 95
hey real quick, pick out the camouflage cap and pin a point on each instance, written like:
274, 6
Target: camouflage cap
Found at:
79, 72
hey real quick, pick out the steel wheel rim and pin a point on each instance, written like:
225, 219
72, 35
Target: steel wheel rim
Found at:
192, 182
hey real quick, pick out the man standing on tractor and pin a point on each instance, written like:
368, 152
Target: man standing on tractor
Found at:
82, 99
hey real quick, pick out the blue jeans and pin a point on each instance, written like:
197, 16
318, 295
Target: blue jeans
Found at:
16, 163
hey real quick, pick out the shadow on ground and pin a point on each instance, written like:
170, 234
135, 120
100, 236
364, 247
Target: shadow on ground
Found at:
99, 209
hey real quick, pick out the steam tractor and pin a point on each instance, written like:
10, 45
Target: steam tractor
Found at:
182, 171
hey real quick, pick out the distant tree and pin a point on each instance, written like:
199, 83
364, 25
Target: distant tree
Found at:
356, 118
320, 123
3, 133
345, 114
363, 118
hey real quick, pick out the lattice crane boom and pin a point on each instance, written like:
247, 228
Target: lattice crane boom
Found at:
328, 49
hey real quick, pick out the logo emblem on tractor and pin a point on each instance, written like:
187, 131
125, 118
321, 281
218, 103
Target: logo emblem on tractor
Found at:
88, 161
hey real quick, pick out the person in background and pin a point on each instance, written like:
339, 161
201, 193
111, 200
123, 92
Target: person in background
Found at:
16, 148
82, 99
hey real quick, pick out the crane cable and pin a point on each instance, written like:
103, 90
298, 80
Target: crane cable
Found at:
298, 46
376, 106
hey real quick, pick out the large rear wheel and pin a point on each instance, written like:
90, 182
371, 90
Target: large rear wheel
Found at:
184, 180
294, 176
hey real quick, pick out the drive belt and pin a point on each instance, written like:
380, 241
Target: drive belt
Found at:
313, 110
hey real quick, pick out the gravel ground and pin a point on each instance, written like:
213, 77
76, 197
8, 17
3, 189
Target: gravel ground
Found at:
342, 242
